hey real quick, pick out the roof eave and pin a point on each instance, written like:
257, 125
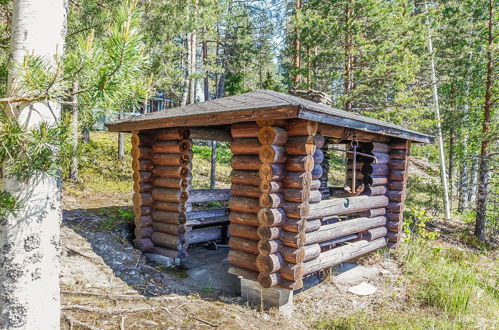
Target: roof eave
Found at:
364, 126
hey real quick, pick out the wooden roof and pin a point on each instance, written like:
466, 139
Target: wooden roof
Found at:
261, 105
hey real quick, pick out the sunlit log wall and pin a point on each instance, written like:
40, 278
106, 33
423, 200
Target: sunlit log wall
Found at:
244, 200
142, 199
283, 226
163, 230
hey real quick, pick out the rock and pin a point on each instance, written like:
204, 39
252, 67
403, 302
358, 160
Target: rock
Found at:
354, 274
363, 289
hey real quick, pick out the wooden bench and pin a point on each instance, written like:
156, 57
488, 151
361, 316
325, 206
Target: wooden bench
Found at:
210, 224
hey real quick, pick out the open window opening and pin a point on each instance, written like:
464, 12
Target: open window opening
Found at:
345, 174
209, 190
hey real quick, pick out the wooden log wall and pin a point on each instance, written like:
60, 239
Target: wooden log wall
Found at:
168, 178
282, 228
301, 190
398, 165
142, 198
375, 179
244, 200
324, 189
273, 156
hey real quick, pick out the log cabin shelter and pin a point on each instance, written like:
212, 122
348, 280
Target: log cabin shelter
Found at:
283, 218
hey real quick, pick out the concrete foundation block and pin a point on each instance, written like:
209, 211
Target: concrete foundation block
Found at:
253, 293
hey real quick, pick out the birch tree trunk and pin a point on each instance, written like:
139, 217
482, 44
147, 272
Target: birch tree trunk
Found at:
463, 185
452, 156
439, 127
348, 76
473, 180
29, 240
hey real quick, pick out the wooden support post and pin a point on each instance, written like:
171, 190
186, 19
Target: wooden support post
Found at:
142, 186
398, 165
272, 153
244, 200
300, 189
171, 157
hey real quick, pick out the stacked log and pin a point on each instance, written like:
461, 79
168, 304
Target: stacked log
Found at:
374, 177
301, 189
142, 198
244, 200
398, 164
324, 189
270, 216
171, 171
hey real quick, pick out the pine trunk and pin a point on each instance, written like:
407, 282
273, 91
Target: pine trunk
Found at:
484, 173
348, 70
85, 135
29, 239
297, 47
192, 69
206, 84
221, 86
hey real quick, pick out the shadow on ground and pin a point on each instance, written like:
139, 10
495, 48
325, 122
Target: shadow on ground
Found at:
110, 235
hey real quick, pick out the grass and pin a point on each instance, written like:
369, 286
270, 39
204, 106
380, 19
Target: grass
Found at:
112, 217
100, 169
201, 166
449, 287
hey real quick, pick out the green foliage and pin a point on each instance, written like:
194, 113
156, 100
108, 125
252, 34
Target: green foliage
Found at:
223, 152
424, 193
383, 42
272, 83
108, 60
25, 152
415, 222
234, 83
8, 204
114, 217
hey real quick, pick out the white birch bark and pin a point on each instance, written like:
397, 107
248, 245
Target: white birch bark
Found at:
29, 240
440, 141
